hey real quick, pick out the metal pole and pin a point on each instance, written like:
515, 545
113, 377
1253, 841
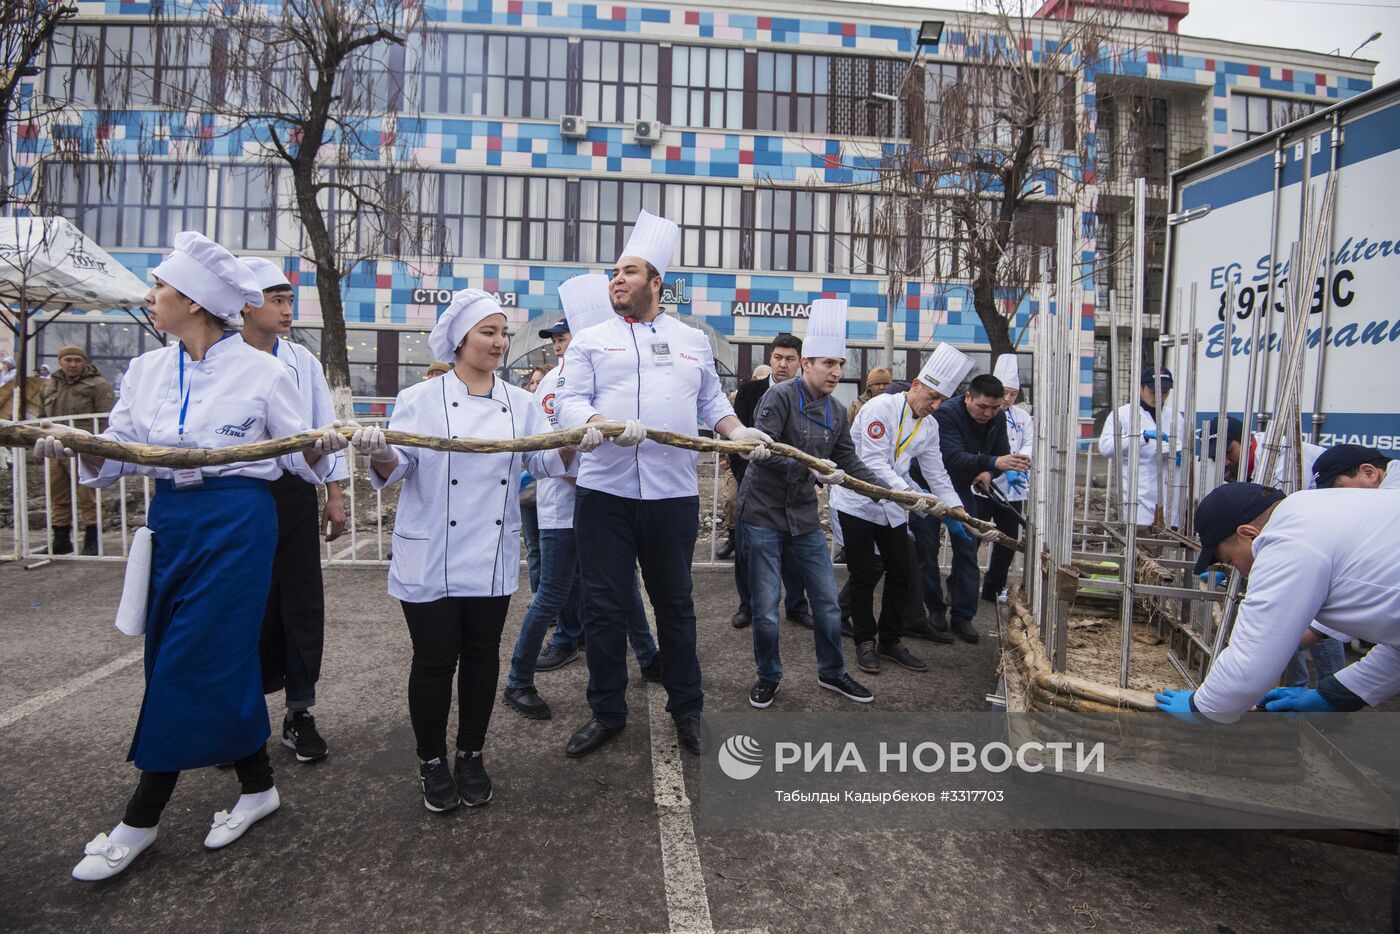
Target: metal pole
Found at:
1253, 403
1114, 504
1135, 433
1188, 477
1319, 418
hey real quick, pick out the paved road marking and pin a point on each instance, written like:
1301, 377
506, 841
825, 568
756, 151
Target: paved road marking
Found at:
687, 903
39, 702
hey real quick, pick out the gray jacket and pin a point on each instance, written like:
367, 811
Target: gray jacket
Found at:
780, 493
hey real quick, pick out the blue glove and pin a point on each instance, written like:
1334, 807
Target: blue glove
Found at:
1015, 480
1178, 704
1215, 578
1152, 435
1306, 700
958, 530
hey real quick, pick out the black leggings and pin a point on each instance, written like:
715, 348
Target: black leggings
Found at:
155, 788
443, 631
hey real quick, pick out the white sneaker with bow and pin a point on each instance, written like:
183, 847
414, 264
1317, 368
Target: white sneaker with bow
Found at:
230, 825
105, 857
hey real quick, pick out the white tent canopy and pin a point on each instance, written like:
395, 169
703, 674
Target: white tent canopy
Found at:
48, 265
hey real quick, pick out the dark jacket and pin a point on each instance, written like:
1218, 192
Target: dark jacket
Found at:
969, 448
780, 493
87, 394
745, 402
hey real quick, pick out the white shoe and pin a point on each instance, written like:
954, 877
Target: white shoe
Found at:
105, 859
230, 825
1003, 597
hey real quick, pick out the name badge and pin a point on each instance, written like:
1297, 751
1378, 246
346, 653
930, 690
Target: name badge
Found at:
661, 354
187, 478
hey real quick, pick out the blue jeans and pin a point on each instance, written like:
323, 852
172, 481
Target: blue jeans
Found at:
570, 627
615, 534
530, 526
1329, 656
928, 531
796, 602
771, 552
556, 596
965, 576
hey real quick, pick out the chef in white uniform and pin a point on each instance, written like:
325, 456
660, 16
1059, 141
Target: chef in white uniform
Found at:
638, 501
892, 432
1157, 418
1234, 431
294, 627
213, 533
1013, 484
1354, 467
457, 537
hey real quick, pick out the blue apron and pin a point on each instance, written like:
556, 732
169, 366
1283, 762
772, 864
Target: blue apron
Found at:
210, 571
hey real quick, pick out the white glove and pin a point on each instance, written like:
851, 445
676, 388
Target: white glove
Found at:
592, 440
832, 476
633, 434
758, 454
50, 445
333, 441
980, 534
371, 441
928, 506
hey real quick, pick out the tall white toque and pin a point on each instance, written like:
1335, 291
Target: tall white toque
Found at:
945, 370
826, 329
468, 308
586, 301
1008, 371
210, 275
268, 273
653, 239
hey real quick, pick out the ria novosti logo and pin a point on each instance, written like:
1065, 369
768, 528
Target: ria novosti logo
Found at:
740, 757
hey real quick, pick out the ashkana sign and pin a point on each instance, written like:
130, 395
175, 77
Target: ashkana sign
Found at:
771, 310
444, 297
677, 293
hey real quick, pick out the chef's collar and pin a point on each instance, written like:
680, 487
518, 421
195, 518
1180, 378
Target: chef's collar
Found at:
457, 381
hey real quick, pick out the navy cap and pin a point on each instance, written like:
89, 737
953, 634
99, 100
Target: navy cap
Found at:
1335, 461
1224, 510
1234, 431
1149, 377
556, 329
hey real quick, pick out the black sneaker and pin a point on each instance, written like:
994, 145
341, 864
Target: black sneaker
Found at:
762, 692
741, 620
299, 734
652, 672
898, 654
439, 790
847, 687
923, 628
964, 631
802, 619
473, 784
528, 702
555, 656
867, 658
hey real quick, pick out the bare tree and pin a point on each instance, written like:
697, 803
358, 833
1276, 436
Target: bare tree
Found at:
25, 31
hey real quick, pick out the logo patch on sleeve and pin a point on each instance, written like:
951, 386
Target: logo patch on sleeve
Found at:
875, 430
547, 403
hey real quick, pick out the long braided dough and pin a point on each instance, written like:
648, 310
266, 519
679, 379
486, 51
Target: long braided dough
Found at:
155, 455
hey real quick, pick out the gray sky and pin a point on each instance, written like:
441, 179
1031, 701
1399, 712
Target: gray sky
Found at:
1315, 25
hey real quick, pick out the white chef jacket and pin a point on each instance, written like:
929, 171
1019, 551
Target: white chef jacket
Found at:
306, 371
1325, 555
237, 395
1110, 441
457, 530
888, 438
554, 496
1020, 433
1311, 452
1392, 477
662, 374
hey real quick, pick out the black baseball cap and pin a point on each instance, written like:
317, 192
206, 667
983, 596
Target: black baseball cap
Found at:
1234, 431
1224, 510
1149, 377
556, 329
1335, 461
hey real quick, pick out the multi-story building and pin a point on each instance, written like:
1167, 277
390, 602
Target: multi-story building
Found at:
547, 124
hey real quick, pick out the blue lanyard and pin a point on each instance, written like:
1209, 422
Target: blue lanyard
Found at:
802, 409
185, 393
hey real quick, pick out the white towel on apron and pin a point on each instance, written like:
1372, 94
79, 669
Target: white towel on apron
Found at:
131, 613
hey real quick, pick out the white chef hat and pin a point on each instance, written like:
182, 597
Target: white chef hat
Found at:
1008, 371
826, 329
210, 275
268, 273
468, 308
586, 301
653, 239
945, 370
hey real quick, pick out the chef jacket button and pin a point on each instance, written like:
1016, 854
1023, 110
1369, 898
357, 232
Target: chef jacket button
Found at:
454, 405
503, 483
454, 482
503, 410
498, 521
452, 522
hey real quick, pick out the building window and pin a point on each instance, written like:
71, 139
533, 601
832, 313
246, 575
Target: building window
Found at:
867, 230
707, 87
118, 210
1254, 115
619, 81
791, 92
708, 216
853, 110
494, 75
789, 233
246, 218
496, 216
414, 357
118, 66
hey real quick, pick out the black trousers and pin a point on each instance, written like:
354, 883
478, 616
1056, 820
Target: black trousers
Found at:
154, 789
444, 633
866, 569
294, 623
999, 565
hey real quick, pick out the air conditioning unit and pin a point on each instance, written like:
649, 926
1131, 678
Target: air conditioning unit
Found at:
573, 127
647, 132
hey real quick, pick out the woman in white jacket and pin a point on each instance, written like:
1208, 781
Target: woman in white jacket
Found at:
457, 537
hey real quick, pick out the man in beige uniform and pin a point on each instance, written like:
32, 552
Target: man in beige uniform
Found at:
78, 388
